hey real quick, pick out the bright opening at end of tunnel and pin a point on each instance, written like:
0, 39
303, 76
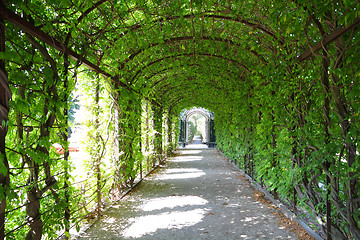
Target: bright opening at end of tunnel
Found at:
196, 128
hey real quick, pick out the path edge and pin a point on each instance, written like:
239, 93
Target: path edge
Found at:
108, 206
278, 204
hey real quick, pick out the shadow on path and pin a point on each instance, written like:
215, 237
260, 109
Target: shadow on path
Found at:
196, 195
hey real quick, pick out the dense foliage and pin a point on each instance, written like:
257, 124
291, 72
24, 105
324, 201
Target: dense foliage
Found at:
281, 77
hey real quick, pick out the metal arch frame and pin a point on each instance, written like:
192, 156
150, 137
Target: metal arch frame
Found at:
197, 110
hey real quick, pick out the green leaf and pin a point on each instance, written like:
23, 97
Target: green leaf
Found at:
48, 75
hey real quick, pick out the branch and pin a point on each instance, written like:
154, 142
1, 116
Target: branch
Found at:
51, 41
328, 39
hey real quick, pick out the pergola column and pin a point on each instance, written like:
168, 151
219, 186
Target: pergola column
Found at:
212, 138
5, 95
158, 119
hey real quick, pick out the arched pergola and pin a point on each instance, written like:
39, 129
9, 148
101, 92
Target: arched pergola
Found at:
281, 77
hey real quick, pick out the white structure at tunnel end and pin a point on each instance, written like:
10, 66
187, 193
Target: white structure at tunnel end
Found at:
209, 137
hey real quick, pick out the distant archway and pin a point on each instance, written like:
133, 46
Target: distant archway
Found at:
185, 116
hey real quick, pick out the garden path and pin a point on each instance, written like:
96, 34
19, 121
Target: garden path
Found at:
195, 195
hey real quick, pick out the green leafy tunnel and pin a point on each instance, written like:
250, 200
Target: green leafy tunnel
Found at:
281, 77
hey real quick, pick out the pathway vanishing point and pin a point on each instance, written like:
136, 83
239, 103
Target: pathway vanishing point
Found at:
195, 195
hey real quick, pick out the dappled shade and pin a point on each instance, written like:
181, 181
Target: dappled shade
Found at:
217, 205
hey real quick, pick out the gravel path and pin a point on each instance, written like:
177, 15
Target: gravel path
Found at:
196, 195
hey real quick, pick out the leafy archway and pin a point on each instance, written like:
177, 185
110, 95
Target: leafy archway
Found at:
282, 79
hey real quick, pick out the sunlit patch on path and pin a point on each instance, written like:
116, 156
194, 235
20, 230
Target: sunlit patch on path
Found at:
181, 173
149, 224
186, 158
171, 202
